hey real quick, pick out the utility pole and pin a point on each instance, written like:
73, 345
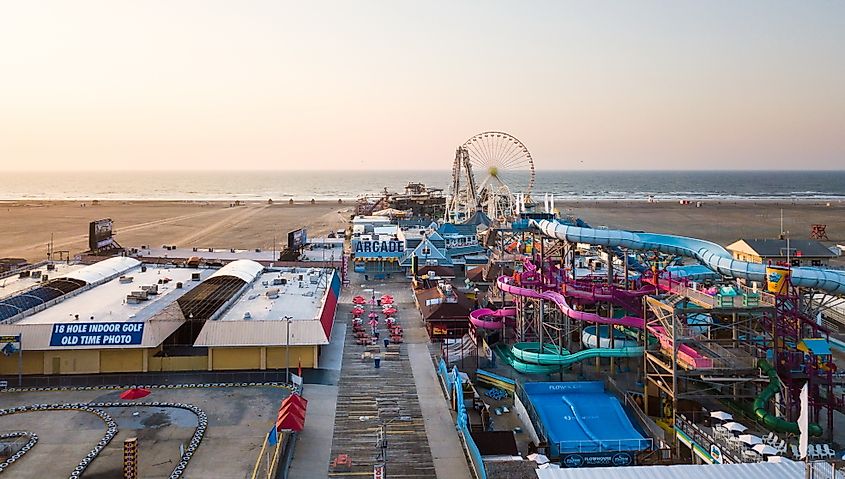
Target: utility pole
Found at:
287, 349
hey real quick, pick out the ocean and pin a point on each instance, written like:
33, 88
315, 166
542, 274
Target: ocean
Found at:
331, 185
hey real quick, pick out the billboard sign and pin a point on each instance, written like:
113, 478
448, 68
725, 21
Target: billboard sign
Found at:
297, 239
97, 334
100, 234
597, 459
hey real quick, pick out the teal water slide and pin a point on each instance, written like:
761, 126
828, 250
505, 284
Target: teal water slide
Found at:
528, 359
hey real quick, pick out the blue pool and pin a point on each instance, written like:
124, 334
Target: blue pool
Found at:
582, 417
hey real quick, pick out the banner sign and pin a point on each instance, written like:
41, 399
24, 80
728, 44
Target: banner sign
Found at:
97, 334
10, 344
597, 459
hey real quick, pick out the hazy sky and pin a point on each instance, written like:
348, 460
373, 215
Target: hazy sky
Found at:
393, 84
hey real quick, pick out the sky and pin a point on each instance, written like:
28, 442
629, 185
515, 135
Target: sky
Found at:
176, 85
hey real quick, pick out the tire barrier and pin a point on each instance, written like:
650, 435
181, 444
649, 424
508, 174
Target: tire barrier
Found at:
93, 408
111, 430
196, 439
33, 438
290, 387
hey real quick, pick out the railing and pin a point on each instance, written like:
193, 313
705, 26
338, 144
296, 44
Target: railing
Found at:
462, 424
730, 453
605, 445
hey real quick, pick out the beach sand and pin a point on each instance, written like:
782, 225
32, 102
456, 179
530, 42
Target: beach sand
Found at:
27, 225
722, 223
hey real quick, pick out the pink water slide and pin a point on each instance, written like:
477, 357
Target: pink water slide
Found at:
505, 283
687, 357
486, 318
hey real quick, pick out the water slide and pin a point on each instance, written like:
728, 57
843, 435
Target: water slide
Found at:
486, 318
505, 283
528, 358
770, 420
707, 253
688, 357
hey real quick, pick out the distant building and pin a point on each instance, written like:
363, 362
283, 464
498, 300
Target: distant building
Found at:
797, 252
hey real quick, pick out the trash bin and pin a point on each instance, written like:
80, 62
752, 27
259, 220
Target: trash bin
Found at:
386, 342
376, 334
377, 360
378, 301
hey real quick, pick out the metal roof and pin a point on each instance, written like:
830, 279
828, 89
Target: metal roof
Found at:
261, 333
103, 270
777, 248
245, 269
761, 470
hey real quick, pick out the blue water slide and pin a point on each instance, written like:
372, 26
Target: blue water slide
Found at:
707, 253
633, 262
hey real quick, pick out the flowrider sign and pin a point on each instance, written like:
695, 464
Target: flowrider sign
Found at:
97, 334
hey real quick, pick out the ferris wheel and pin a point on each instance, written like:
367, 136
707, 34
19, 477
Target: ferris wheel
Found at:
503, 162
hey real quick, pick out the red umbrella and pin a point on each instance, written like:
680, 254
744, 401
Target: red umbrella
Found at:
372, 315
373, 323
357, 311
359, 300
390, 311
135, 393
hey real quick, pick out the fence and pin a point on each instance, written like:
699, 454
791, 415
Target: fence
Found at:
194, 377
453, 386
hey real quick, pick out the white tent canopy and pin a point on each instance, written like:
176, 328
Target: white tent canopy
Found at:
721, 415
734, 426
750, 439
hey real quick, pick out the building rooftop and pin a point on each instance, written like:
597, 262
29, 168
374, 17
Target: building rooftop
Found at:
108, 302
280, 293
309, 302
14, 284
777, 248
210, 254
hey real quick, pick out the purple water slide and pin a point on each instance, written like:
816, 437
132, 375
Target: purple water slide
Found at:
505, 283
476, 317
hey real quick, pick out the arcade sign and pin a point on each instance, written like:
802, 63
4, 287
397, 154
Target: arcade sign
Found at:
597, 459
376, 246
97, 334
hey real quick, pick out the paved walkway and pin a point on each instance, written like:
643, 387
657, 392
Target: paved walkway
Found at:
381, 395
449, 458
311, 456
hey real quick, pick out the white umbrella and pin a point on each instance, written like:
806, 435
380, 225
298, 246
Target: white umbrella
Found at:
765, 449
721, 415
734, 426
538, 458
750, 439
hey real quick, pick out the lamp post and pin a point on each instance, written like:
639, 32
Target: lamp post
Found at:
287, 348
382, 439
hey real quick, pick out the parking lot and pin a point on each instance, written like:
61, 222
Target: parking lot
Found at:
238, 421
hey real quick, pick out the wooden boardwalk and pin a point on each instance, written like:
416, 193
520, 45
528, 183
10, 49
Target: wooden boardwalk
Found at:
382, 395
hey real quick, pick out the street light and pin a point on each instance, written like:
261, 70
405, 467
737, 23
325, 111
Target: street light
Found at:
382, 439
287, 348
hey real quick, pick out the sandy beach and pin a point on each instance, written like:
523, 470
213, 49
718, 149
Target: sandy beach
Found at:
27, 225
